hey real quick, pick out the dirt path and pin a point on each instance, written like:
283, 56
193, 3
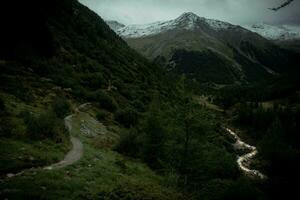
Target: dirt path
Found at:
71, 157
77, 150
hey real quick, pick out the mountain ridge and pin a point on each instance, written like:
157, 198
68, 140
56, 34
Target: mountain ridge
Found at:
276, 32
247, 55
187, 20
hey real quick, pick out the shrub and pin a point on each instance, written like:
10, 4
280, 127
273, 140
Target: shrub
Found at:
5, 123
5, 127
128, 144
101, 115
61, 107
106, 102
127, 117
46, 125
2, 106
137, 104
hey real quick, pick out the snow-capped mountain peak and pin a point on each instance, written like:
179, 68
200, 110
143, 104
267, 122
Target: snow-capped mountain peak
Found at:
186, 21
273, 32
188, 17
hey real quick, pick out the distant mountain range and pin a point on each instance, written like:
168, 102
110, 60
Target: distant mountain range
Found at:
273, 32
207, 50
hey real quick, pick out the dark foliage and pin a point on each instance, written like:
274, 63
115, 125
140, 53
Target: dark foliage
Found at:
127, 117
2, 106
204, 66
61, 107
101, 115
107, 102
46, 125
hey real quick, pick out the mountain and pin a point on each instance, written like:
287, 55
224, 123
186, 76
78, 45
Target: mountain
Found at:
114, 25
187, 21
273, 32
208, 50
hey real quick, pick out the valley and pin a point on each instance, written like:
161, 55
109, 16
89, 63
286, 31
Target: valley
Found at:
184, 108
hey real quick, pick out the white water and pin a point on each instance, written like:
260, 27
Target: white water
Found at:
245, 160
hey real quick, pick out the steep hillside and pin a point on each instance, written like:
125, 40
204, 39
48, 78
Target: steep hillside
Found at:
55, 55
248, 55
75, 49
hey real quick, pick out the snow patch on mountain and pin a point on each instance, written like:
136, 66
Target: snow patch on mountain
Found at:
187, 21
218, 25
114, 25
272, 32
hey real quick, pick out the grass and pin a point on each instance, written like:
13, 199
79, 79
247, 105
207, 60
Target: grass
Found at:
17, 152
17, 155
100, 174
202, 100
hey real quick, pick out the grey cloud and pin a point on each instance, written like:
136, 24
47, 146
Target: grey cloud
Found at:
234, 11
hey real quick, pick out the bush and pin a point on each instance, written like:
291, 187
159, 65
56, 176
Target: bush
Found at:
5, 123
106, 101
5, 127
44, 126
127, 117
154, 143
128, 144
2, 106
101, 115
138, 105
61, 107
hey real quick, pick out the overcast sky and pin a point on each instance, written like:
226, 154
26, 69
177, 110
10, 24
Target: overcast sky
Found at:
234, 11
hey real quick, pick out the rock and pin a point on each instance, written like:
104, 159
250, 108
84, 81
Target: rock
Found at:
49, 168
10, 175
43, 79
57, 88
68, 89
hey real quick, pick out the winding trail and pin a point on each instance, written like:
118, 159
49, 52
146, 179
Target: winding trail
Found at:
245, 160
71, 157
77, 150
